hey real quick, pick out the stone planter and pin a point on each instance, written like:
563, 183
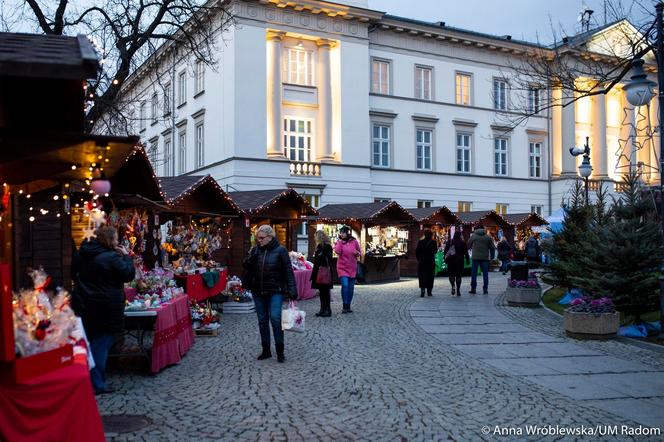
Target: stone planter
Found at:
523, 296
588, 326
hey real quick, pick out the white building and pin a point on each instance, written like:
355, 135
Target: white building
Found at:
347, 104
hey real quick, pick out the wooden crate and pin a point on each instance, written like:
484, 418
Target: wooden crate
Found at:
206, 331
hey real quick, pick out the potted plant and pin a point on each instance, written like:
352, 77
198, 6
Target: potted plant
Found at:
521, 293
588, 318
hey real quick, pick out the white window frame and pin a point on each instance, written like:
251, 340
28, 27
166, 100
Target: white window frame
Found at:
500, 97
381, 145
423, 82
200, 144
167, 98
536, 209
535, 159
142, 117
421, 204
199, 77
154, 150
292, 135
421, 145
534, 99
182, 151
466, 149
154, 107
382, 200
314, 201
169, 156
500, 156
461, 98
502, 208
380, 80
182, 87
299, 66
464, 206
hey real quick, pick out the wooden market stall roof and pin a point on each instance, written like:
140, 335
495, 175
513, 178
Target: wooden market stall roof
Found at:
490, 217
273, 203
387, 212
525, 219
435, 215
135, 180
198, 194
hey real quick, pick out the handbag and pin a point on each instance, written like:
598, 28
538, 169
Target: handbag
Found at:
324, 276
292, 318
450, 252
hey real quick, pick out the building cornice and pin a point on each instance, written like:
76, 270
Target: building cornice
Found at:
330, 9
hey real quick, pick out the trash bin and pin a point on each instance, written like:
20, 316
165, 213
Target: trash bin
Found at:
519, 270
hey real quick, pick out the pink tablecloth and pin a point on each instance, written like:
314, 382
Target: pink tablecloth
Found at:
173, 333
303, 282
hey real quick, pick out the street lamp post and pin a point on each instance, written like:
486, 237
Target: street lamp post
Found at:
639, 91
585, 169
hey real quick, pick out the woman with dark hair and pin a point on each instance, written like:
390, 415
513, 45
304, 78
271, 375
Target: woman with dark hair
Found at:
348, 250
456, 253
426, 262
321, 275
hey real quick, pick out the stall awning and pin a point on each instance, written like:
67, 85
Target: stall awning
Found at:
435, 215
192, 194
285, 204
386, 213
490, 217
136, 177
525, 219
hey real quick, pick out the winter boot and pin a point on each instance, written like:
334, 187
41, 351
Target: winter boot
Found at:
266, 353
280, 353
345, 309
421, 293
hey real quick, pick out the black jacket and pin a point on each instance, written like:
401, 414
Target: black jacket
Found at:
322, 257
504, 250
269, 271
99, 293
425, 252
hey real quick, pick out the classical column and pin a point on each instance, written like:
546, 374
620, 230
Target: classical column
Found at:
627, 129
568, 131
556, 131
324, 83
598, 148
643, 139
654, 147
274, 118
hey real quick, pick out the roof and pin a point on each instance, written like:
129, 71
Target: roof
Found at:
174, 186
253, 201
582, 37
200, 193
363, 211
47, 56
427, 213
479, 215
519, 218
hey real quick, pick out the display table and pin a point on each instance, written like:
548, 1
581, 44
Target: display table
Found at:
303, 282
379, 268
56, 406
197, 289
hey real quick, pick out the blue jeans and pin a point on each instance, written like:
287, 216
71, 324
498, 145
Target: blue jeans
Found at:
347, 289
100, 344
484, 265
503, 264
268, 309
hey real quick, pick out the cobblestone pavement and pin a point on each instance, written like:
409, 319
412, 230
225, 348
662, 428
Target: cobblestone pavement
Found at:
371, 375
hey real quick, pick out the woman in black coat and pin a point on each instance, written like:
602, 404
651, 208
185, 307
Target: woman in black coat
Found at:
456, 252
322, 258
99, 298
426, 262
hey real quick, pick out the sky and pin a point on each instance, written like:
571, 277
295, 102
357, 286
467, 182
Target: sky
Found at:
529, 20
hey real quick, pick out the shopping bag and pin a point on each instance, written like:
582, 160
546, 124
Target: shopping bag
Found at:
439, 262
292, 318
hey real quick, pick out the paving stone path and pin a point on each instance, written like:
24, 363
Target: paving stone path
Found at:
380, 373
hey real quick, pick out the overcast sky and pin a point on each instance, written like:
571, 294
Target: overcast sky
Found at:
529, 20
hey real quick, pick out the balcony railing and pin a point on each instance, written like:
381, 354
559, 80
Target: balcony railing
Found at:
304, 168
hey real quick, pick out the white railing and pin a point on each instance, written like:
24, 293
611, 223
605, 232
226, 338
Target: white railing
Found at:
304, 168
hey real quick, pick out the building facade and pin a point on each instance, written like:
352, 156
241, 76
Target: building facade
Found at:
347, 104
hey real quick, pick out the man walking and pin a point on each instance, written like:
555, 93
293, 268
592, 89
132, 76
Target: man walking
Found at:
483, 248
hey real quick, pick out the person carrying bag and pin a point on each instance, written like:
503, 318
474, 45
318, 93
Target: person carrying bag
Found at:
321, 275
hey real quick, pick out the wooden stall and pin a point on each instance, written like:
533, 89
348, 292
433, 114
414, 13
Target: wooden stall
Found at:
283, 209
383, 229
523, 226
493, 223
439, 220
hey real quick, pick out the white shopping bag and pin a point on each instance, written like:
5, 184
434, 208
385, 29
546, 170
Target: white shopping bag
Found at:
292, 318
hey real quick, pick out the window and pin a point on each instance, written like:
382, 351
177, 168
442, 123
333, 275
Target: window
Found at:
297, 139
502, 208
463, 89
535, 160
534, 100
499, 94
182, 88
200, 146
141, 115
381, 146
199, 82
169, 157
464, 206
382, 200
500, 156
463, 153
182, 152
299, 67
314, 201
153, 109
424, 203
380, 71
423, 149
536, 209
167, 99
154, 149
423, 82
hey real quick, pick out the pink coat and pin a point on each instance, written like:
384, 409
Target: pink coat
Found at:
347, 261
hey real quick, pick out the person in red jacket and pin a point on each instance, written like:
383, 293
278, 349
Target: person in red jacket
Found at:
348, 250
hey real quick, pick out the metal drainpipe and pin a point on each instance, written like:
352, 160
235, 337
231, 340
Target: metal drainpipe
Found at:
171, 162
549, 150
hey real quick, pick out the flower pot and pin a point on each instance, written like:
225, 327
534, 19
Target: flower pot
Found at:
523, 296
581, 325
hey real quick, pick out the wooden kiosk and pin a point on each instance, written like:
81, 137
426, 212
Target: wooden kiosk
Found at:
383, 229
492, 222
523, 224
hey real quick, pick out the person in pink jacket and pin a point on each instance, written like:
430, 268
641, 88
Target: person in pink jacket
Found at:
348, 250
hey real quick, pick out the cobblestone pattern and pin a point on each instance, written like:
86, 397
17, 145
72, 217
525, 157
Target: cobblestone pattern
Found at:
372, 375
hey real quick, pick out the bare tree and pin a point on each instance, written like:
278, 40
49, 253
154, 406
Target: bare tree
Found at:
128, 33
